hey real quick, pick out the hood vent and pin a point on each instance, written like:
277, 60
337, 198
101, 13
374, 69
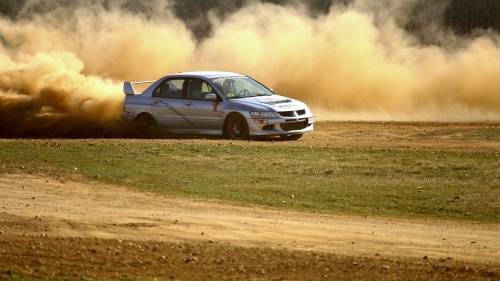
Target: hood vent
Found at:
276, 102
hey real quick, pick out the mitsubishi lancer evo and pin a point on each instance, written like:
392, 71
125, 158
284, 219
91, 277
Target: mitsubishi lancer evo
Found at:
216, 103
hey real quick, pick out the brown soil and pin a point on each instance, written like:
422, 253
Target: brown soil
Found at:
69, 229
410, 135
77, 258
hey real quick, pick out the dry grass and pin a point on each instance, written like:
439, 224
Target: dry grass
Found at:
397, 180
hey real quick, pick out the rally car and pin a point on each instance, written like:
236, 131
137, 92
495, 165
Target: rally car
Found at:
216, 103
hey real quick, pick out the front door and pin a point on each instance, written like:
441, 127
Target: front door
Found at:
205, 114
167, 103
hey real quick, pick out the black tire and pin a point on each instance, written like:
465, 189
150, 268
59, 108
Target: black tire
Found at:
146, 125
292, 137
236, 127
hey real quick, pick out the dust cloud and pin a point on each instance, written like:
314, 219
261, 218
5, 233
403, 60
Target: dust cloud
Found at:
61, 72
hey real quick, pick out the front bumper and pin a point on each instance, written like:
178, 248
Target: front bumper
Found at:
282, 126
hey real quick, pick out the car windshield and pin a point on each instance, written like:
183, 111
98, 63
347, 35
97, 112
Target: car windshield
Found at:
241, 87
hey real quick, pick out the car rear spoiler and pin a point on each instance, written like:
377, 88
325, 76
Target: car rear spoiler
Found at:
128, 87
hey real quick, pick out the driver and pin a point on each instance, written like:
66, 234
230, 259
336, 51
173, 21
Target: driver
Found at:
229, 88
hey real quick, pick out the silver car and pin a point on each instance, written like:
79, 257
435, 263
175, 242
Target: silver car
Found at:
216, 103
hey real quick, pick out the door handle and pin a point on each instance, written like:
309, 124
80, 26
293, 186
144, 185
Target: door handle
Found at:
156, 102
188, 104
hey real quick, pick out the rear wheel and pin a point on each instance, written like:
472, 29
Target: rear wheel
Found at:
236, 127
146, 124
292, 137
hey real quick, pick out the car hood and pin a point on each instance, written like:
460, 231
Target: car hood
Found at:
273, 103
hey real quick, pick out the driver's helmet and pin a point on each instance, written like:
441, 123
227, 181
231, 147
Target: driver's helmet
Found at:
229, 88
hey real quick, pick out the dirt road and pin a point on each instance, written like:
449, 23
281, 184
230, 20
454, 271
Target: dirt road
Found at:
406, 135
36, 206
410, 135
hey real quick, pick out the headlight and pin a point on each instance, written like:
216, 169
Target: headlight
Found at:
264, 115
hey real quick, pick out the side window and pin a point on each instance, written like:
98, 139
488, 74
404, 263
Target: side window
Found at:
197, 89
170, 89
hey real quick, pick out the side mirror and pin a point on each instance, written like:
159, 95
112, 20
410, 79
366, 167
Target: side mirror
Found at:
212, 97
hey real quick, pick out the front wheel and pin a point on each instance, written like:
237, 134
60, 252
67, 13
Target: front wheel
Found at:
292, 137
236, 127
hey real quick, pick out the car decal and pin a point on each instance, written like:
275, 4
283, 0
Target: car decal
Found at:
176, 112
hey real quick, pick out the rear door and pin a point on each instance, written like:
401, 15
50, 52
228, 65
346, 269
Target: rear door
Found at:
205, 114
166, 104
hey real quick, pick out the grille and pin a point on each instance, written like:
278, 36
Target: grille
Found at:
286, 113
292, 113
294, 126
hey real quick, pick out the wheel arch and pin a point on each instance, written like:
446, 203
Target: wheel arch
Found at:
143, 114
146, 116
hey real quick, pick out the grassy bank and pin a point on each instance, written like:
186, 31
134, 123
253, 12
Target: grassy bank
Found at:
388, 182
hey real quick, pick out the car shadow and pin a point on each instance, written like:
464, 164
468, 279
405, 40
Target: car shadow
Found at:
100, 130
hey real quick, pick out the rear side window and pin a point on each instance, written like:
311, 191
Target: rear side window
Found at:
170, 89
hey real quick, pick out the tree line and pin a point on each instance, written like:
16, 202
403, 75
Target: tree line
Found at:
462, 16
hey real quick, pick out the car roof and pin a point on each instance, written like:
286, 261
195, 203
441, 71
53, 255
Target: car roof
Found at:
207, 74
